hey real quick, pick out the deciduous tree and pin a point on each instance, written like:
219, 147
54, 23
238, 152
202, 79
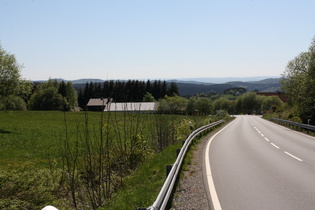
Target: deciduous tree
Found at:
9, 73
204, 106
14, 92
299, 81
53, 95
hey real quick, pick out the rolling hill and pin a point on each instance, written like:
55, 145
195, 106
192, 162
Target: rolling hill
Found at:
190, 87
266, 85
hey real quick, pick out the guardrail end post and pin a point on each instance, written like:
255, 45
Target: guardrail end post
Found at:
168, 169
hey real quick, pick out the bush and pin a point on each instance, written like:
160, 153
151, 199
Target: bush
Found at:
53, 95
48, 99
184, 128
12, 102
27, 188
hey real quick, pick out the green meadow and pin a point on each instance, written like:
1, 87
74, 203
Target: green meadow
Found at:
32, 136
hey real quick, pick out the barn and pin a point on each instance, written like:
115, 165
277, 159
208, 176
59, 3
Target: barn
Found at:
107, 105
98, 104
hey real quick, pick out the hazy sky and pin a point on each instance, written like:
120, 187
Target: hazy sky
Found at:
156, 39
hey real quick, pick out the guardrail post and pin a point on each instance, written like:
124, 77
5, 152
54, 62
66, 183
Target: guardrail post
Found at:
168, 169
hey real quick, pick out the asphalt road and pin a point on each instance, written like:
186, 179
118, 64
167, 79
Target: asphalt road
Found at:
255, 164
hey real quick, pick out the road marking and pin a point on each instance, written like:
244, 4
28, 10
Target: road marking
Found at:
265, 137
274, 145
293, 156
213, 193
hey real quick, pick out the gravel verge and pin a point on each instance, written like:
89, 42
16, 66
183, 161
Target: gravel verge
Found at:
190, 192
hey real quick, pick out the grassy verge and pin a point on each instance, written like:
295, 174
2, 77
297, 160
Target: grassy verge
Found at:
143, 186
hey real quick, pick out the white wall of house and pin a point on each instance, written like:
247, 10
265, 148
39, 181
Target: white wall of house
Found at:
132, 107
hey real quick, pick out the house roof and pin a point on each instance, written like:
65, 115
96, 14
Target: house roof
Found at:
281, 95
97, 102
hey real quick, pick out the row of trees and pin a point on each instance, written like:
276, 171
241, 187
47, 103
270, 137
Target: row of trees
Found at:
247, 103
125, 91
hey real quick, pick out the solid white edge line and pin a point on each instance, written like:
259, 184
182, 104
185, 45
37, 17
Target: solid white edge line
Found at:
293, 156
214, 196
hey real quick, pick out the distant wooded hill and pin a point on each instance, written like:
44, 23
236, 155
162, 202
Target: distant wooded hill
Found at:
266, 85
190, 88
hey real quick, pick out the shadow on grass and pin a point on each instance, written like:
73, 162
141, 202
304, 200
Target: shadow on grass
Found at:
5, 132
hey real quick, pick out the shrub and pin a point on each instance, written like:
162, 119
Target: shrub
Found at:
27, 188
12, 102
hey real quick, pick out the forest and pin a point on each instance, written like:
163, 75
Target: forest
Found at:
127, 91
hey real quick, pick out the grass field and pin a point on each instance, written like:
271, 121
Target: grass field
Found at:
30, 140
32, 136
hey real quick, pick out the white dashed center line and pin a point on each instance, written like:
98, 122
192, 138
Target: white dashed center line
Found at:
274, 145
293, 156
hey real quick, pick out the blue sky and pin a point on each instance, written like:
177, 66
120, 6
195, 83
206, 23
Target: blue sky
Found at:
155, 39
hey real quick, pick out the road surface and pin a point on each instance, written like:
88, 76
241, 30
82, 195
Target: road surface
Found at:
255, 164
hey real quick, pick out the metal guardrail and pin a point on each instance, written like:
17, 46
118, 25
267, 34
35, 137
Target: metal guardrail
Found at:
299, 125
166, 191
